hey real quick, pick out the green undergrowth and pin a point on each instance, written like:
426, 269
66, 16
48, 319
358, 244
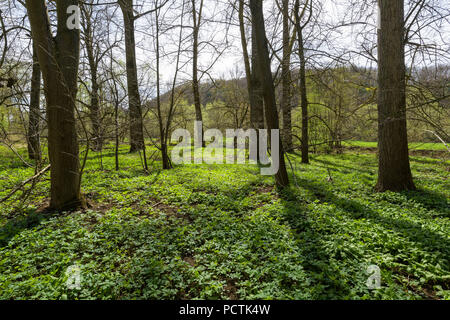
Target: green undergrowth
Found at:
413, 146
225, 232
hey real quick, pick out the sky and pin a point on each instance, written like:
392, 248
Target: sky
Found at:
231, 61
227, 41
347, 38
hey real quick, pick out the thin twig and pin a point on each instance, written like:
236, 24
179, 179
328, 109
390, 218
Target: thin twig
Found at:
25, 182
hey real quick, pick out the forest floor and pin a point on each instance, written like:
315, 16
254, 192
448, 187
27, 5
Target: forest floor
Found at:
224, 232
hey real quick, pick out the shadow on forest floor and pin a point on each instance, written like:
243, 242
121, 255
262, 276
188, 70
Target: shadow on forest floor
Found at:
357, 210
430, 200
14, 226
299, 221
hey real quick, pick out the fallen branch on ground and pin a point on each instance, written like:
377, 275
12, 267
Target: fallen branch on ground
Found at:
442, 140
25, 182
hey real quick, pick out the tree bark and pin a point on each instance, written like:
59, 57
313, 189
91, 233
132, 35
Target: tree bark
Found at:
94, 108
162, 130
134, 99
116, 134
303, 100
257, 106
58, 59
195, 82
286, 79
265, 74
34, 145
394, 171
253, 85
302, 83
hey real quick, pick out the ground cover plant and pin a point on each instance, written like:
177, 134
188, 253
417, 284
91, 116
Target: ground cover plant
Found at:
225, 232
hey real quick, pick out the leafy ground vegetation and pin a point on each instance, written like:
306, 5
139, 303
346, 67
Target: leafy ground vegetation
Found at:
224, 232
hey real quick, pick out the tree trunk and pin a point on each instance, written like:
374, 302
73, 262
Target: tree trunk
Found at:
304, 99
58, 60
116, 134
94, 114
195, 82
94, 109
162, 131
253, 84
257, 98
244, 45
134, 99
286, 81
302, 82
34, 145
394, 171
265, 74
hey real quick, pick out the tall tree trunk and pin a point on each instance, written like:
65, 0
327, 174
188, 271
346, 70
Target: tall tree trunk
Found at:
34, 145
244, 45
136, 122
116, 135
195, 82
265, 74
94, 111
162, 133
94, 114
253, 85
257, 106
58, 60
115, 94
286, 98
94, 108
303, 99
394, 171
302, 84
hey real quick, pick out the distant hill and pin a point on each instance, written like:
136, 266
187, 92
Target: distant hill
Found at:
211, 91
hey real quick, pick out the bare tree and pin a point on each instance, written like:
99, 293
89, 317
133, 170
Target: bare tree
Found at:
394, 171
33, 139
197, 22
135, 109
286, 79
265, 74
302, 73
58, 59
253, 84
92, 35
165, 124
